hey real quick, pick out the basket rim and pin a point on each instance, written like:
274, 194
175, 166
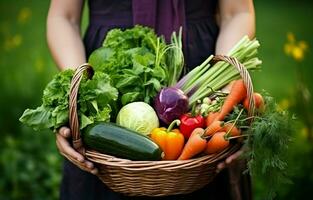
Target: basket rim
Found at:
113, 161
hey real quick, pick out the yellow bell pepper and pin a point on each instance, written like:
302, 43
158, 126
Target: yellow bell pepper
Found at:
170, 140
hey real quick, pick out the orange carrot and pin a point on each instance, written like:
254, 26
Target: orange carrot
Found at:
195, 145
215, 126
210, 118
233, 130
217, 143
227, 88
237, 94
258, 101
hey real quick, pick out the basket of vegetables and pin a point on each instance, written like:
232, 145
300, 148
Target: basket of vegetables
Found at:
146, 129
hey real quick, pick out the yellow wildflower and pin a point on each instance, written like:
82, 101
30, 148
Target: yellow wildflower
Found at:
294, 48
304, 132
17, 40
291, 37
297, 53
24, 15
288, 48
12, 42
284, 104
39, 65
303, 45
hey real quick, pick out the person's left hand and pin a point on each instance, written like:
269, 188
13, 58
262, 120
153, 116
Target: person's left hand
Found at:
229, 160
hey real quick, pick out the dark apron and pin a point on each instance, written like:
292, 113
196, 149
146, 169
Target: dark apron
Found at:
199, 40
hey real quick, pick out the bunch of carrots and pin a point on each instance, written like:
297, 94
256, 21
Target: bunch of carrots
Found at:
216, 133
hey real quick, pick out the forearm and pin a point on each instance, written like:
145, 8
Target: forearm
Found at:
63, 33
65, 43
233, 27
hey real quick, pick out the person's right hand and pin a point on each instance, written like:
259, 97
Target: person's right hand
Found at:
67, 151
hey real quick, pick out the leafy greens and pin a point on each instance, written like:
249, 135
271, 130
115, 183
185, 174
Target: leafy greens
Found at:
132, 65
95, 100
136, 61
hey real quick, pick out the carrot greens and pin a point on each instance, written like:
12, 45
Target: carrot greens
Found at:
268, 146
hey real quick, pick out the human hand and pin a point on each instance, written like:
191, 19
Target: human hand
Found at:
229, 160
70, 153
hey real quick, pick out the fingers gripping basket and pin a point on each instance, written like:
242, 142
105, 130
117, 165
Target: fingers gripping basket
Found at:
152, 178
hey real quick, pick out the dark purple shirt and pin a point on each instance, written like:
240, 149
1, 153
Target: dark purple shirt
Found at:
200, 28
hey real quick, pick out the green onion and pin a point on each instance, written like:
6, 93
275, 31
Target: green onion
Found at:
174, 58
205, 79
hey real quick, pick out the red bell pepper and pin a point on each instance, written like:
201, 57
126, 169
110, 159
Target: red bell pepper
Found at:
189, 123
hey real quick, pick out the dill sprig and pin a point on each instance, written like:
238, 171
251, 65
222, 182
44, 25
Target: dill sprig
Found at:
268, 146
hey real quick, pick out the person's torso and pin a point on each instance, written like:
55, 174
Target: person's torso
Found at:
200, 27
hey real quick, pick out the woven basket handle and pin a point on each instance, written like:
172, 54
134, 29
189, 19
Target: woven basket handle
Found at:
73, 117
244, 75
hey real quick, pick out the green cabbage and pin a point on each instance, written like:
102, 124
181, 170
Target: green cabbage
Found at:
139, 117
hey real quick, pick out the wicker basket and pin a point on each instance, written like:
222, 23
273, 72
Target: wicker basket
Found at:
152, 178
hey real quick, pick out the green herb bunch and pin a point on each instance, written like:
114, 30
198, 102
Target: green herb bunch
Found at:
270, 136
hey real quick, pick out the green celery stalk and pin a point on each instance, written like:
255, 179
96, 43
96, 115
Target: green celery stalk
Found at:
221, 73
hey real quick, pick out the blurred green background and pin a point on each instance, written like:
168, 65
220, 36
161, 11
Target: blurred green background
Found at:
30, 167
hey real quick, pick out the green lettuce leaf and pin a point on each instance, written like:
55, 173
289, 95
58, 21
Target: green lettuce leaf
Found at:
95, 98
134, 59
38, 119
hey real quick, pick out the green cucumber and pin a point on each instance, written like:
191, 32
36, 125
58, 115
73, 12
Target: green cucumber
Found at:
109, 138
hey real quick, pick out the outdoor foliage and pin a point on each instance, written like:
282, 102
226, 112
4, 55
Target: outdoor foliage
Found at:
30, 167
